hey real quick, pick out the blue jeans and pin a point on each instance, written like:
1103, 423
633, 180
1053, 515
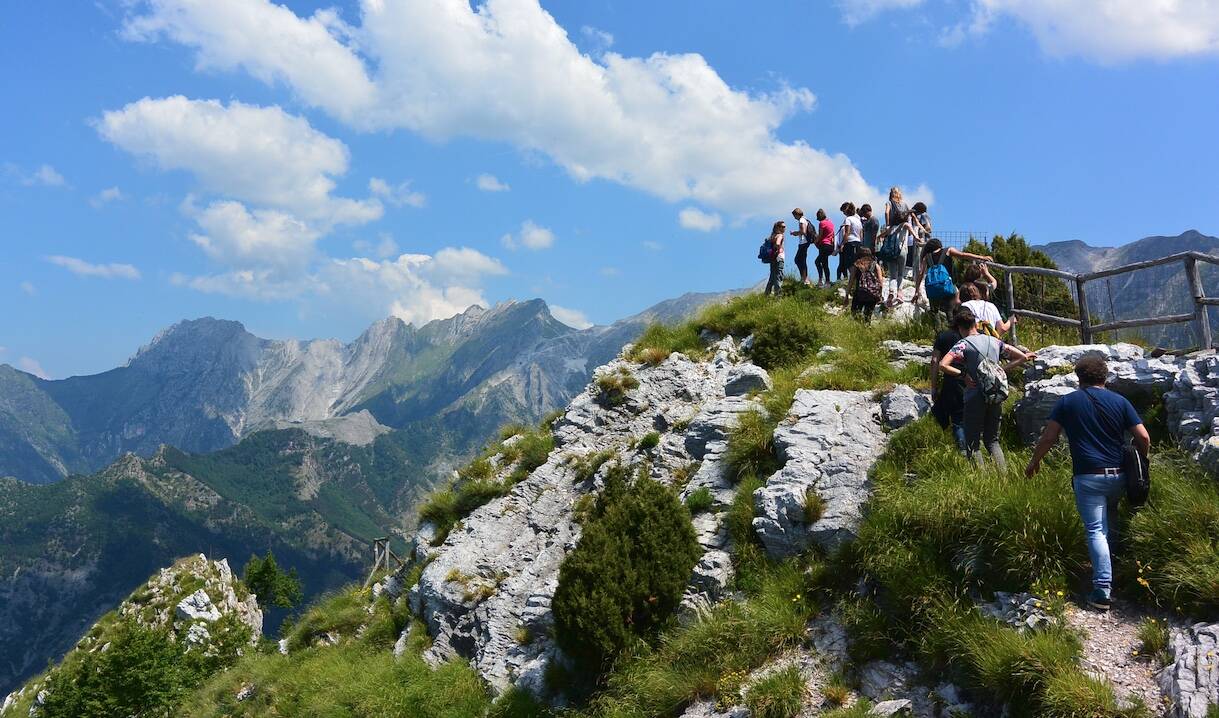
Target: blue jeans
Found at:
1096, 497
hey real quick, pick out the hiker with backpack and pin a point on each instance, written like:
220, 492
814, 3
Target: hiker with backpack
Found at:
977, 357
866, 285
850, 238
771, 253
825, 247
935, 274
948, 392
1096, 421
807, 234
990, 321
893, 246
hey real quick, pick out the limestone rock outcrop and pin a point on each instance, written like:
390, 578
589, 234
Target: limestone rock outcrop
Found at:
497, 571
1191, 681
1050, 377
827, 444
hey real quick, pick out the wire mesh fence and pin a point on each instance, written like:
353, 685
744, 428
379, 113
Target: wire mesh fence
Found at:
959, 237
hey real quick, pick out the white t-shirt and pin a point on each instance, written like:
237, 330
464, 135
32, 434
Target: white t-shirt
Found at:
808, 231
984, 311
852, 229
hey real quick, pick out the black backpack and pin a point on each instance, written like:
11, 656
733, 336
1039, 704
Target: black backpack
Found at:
1135, 464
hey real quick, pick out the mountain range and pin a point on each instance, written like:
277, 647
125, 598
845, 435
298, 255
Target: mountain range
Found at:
1146, 292
213, 440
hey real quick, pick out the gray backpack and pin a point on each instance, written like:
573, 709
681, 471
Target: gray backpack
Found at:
989, 375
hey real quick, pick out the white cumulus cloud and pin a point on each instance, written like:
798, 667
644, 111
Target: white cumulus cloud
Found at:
855, 12
571, 317
31, 366
87, 269
106, 196
397, 195
696, 219
258, 155
666, 124
491, 183
530, 236
1102, 30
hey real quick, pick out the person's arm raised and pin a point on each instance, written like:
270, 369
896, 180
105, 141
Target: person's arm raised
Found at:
954, 252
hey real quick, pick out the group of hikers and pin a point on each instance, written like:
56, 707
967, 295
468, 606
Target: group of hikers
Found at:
967, 370
872, 257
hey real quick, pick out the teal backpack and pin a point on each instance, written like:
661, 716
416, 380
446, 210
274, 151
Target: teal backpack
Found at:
938, 281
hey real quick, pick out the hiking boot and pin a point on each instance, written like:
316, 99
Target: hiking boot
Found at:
1098, 600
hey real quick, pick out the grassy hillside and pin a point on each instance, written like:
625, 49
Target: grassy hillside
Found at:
939, 535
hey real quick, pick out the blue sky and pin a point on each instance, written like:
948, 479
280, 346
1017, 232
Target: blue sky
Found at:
312, 167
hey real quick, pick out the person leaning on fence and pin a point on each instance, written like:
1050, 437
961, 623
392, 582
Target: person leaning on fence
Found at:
977, 357
1095, 421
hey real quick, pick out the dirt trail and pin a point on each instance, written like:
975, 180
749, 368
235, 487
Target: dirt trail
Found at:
1110, 649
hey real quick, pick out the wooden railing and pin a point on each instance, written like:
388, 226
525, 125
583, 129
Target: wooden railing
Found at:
1200, 316
383, 559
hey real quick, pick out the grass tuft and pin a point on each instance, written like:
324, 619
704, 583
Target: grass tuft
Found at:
700, 500
778, 695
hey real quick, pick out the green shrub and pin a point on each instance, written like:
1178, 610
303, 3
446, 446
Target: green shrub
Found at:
779, 695
613, 387
143, 672
861, 708
448, 506
270, 584
691, 661
787, 341
700, 500
649, 441
626, 574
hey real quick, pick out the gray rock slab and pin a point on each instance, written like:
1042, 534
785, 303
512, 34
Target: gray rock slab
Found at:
903, 405
828, 443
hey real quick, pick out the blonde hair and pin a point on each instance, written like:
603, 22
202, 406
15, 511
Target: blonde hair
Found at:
895, 194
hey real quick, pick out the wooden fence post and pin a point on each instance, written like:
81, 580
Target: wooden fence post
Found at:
1085, 321
1011, 305
1202, 319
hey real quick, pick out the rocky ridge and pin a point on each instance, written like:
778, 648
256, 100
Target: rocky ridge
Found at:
199, 602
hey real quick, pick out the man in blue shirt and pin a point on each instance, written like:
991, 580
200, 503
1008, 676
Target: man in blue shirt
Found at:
1096, 421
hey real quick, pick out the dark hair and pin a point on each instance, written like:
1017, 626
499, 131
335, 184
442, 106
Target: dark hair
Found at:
972, 272
963, 320
865, 209
776, 229
863, 252
848, 208
969, 291
1092, 370
820, 214
919, 207
933, 246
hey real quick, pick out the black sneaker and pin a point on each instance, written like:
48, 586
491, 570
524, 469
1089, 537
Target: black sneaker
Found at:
1098, 600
